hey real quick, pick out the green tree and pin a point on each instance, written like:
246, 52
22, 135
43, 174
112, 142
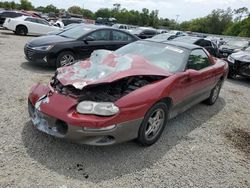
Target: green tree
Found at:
26, 5
75, 10
50, 8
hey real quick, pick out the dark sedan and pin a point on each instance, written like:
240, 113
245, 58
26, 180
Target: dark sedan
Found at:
76, 43
233, 46
239, 64
144, 32
209, 45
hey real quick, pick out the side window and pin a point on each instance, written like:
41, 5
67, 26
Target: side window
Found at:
120, 36
103, 35
204, 43
198, 60
42, 22
31, 20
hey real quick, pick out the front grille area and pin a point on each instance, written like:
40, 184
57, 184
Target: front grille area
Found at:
29, 52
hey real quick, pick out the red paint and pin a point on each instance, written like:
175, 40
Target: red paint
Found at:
177, 86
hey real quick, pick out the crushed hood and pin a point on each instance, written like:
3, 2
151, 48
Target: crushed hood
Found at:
243, 56
104, 66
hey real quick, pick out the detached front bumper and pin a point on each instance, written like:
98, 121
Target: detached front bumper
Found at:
116, 134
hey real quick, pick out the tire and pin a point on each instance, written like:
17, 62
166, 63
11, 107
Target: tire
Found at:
231, 74
151, 128
68, 56
21, 30
214, 94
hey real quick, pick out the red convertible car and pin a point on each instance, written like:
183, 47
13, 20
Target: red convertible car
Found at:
127, 94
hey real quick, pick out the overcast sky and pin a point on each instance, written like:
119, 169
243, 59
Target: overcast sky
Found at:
187, 9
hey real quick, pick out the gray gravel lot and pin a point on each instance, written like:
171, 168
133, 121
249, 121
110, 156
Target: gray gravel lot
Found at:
207, 146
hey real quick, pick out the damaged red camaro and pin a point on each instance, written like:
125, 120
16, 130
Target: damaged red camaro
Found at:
127, 94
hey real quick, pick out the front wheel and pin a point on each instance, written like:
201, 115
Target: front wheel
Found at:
65, 58
214, 94
153, 124
231, 74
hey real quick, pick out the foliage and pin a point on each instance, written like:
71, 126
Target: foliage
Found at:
231, 22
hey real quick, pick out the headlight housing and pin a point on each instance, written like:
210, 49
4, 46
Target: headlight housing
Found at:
237, 50
230, 59
97, 108
43, 48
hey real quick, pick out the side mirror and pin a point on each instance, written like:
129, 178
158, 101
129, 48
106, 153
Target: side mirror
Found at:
192, 72
89, 38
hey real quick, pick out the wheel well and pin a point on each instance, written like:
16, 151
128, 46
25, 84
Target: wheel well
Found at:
20, 25
168, 101
67, 50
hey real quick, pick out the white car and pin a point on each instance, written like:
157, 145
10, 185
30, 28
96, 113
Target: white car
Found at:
28, 25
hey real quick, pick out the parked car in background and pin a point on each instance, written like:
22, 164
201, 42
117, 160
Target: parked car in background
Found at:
162, 31
239, 63
232, 46
68, 21
28, 25
178, 33
163, 37
70, 26
10, 14
121, 26
144, 32
210, 46
75, 43
128, 94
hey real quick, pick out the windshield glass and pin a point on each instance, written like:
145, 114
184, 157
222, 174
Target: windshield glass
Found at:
76, 32
167, 57
136, 31
238, 43
162, 36
190, 40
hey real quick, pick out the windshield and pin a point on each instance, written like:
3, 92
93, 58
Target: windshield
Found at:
238, 43
162, 36
189, 40
76, 32
248, 49
167, 57
136, 31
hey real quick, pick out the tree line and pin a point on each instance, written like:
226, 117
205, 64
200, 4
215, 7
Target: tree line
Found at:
229, 22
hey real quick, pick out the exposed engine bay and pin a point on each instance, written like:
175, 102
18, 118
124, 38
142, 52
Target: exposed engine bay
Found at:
105, 92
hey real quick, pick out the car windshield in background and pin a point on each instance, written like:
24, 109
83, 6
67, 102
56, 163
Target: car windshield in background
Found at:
162, 36
76, 32
248, 49
136, 31
190, 40
238, 43
167, 57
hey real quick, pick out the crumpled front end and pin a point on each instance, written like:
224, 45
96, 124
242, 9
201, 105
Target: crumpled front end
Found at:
108, 78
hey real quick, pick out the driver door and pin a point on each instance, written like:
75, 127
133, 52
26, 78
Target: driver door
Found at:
100, 39
198, 81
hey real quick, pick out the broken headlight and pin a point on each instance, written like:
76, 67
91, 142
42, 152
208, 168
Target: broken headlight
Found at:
230, 59
43, 48
97, 108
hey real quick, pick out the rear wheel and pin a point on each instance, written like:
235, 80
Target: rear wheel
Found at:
153, 124
65, 58
214, 94
21, 30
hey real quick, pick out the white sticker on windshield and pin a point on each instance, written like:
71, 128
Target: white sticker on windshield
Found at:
174, 49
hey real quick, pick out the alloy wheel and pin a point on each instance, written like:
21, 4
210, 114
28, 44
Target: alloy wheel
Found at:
67, 59
154, 124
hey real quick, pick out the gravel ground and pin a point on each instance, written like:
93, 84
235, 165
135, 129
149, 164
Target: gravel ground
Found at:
204, 147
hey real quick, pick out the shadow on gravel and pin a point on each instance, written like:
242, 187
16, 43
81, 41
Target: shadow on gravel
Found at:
95, 164
240, 138
37, 68
240, 81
